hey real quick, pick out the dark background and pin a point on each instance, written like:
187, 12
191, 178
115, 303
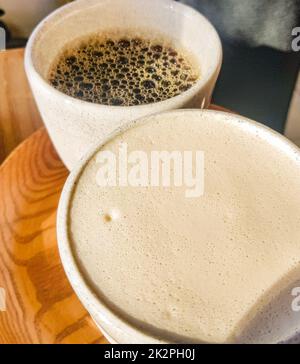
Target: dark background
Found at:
259, 69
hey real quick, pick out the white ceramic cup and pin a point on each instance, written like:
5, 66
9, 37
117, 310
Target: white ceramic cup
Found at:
114, 327
75, 125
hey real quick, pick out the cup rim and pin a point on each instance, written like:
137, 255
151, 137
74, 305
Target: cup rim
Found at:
186, 95
68, 259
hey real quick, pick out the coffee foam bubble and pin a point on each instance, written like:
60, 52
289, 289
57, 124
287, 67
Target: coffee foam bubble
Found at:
114, 70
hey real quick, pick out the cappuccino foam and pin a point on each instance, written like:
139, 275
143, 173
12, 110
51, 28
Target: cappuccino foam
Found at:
192, 269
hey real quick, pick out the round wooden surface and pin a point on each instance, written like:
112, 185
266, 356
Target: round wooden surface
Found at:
41, 306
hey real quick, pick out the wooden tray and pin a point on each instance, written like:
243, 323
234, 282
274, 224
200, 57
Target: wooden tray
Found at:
41, 306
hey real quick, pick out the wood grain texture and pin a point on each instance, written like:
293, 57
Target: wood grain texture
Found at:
41, 305
19, 116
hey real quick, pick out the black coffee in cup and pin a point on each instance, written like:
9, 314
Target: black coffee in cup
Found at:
122, 70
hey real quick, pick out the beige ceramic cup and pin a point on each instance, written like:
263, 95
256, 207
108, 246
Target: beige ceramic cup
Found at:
113, 325
75, 125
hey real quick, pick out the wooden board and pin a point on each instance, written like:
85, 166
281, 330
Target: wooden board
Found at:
19, 116
41, 306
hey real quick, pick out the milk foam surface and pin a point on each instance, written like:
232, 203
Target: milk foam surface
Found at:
192, 269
